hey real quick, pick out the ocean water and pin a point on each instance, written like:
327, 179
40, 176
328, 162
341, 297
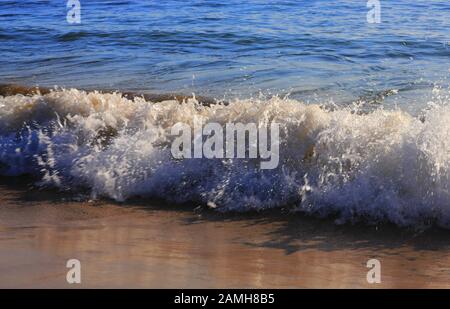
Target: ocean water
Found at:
312, 50
364, 108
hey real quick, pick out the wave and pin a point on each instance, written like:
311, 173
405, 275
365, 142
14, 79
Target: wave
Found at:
377, 166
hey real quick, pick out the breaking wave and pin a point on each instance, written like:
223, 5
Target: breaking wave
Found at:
377, 166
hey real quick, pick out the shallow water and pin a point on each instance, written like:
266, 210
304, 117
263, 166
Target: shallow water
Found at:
381, 165
315, 50
151, 245
386, 159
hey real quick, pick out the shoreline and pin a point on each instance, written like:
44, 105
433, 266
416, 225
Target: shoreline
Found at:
147, 244
15, 89
151, 244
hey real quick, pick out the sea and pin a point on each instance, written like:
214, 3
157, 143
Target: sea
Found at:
360, 89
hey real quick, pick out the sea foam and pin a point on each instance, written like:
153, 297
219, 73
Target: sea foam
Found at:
377, 166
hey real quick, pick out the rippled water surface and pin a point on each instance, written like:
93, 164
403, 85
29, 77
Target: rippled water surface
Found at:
310, 49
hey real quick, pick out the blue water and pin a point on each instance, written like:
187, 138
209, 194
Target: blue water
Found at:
385, 159
313, 50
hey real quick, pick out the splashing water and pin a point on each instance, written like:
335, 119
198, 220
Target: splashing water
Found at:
382, 165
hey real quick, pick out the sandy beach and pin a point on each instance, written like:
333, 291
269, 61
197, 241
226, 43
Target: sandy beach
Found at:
148, 244
225, 145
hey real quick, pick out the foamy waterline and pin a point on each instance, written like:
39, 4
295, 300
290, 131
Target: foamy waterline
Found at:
385, 165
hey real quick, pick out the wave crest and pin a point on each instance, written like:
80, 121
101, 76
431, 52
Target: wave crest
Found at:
385, 165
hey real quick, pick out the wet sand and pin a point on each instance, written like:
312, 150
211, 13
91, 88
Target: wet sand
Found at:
148, 244
14, 89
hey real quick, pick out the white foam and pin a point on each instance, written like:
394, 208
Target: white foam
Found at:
385, 165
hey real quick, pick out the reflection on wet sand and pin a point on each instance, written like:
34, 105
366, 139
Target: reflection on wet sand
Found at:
160, 246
